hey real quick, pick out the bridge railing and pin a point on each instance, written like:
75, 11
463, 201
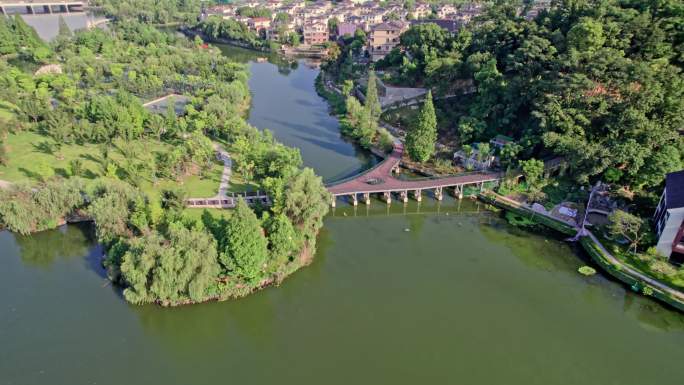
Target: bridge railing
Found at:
467, 173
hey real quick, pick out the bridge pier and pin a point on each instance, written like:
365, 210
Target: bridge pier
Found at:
388, 197
366, 198
404, 196
418, 195
458, 191
438, 193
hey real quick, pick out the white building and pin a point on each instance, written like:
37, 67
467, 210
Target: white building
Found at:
669, 217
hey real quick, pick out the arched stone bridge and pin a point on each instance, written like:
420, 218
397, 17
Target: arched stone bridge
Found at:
379, 180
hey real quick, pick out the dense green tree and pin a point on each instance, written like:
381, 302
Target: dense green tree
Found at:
246, 247
533, 170
283, 240
422, 136
173, 269
306, 202
26, 209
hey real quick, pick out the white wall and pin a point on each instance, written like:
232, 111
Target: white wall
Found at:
670, 231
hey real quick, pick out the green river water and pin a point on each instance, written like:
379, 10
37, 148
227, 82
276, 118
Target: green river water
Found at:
419, 294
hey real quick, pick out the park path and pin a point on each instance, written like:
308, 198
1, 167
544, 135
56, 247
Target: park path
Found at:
224, 199
633, 272
224, 157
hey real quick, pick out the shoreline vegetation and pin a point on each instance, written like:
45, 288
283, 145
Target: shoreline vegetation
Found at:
637, 281
123, 166
612, 266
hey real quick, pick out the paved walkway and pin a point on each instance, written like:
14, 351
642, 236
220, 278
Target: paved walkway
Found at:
633, 272
224, 199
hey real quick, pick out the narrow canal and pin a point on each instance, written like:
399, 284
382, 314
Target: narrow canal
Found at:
437, 293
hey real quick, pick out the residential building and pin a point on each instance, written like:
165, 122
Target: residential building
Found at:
259, 23
421, 10
669, 216
347, 29
315, 33
384, 37
467, 12
445, 11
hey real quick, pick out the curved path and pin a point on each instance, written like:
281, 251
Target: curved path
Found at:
380, 180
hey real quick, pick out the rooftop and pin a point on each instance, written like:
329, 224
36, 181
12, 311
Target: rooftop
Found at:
674, 185
448, 24
389, 26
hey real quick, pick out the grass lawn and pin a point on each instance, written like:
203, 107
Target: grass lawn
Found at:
28, 151
31, 153
238, 184
205, 186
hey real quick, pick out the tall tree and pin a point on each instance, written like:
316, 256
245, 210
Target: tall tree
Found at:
246, 247
627, 226
306, 202
422, 136
372, 100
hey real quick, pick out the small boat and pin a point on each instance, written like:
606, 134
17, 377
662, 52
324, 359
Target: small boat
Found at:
262, 60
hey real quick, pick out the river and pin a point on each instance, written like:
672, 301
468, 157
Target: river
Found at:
420, 294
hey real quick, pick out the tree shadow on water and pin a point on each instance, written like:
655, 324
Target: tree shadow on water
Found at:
66, 242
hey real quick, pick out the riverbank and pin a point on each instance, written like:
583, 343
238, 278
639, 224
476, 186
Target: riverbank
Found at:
636, 280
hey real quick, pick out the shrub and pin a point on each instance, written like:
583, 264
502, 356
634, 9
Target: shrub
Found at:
647, 290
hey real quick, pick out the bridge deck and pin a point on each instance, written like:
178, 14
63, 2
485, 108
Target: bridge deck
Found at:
383, 172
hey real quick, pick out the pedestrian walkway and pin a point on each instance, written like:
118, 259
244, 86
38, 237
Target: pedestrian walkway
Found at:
225, 199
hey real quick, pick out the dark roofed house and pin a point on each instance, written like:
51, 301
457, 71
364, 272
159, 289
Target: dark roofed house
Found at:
669, 216
450, 25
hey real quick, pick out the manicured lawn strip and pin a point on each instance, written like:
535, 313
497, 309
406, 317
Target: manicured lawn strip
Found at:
27, 150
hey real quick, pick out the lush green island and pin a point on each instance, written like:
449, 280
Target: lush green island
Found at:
78, 144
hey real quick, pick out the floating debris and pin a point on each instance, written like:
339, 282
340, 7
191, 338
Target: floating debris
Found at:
587, 270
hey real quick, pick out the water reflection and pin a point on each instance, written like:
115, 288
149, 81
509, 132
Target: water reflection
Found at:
284, 100
47, 26
44, 248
